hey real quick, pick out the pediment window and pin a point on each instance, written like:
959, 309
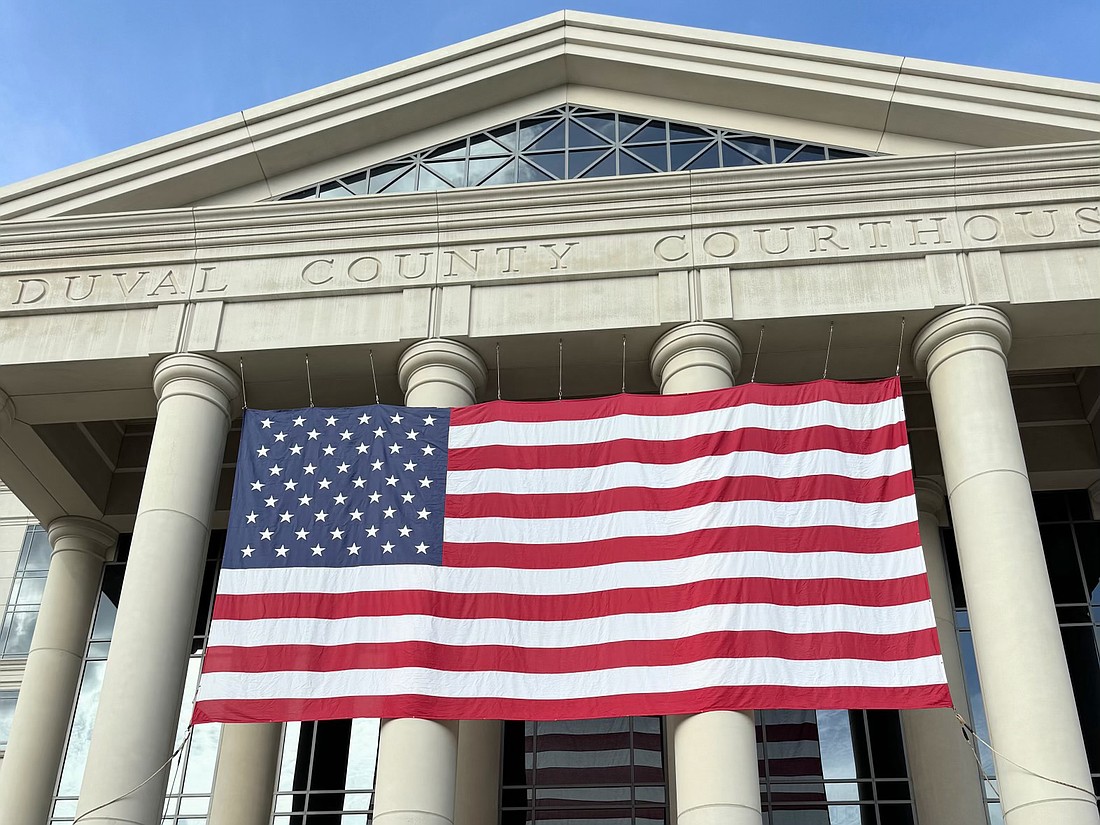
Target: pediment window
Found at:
570, 142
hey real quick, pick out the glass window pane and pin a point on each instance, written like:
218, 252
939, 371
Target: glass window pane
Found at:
526, 173
759, 147
604, 168
19, 629
110, 592
834, 731
530, 130
707, 160
629, 125
202, 757
36, 550
656, 155
362, 754
7, 711
552, 162
30, 590
678, 131
579, 137
484, 146
450, 151
807, 153
603, 124
1061, 557
1088, 547
684, 152
81, 732
580, 160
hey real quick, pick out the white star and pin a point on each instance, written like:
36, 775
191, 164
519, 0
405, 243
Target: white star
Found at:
280, 436
425, 482
372, 531
296, 449
379, 433
331, 420
353, 549
309, 469
410, 466
262, 452
345, 435
247, 550
290, 484
395, 448
362, 448
281, 551
299, 421
324, 483
313, 435
412, 434
428, 449
286, 517
375, 498
364, 419
343, 468
302, 534
405, 531
329, 450
317, 549
267, 423
422, 513
337, 533
266, 535
429, 421
391, 481
320, 516
251, 517
388, 512
276, 470
270, 502
340, 499
359, 481
304, 500
421, 548
376, 464
356, 514
387, 548
396, 418
257, 485
407, 498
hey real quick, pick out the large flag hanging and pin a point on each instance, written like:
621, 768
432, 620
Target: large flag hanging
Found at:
755, 547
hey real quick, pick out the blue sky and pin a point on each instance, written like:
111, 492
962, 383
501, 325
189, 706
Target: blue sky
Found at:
80, 78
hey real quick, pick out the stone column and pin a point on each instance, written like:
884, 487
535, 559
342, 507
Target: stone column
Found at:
37, 741
477, 786
946, 785
143, 683
418, 758
244, 780
717, 780
1025, 682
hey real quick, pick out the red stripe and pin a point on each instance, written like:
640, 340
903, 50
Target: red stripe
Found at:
742, 644
871, 392
641, 499
821, 538
781, 442
644, 704
572, 606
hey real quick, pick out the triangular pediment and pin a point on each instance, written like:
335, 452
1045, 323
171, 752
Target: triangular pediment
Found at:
808, 95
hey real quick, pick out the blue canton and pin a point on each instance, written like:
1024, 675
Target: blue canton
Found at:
339, 487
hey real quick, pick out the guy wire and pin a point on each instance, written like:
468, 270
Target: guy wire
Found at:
756, 363
309, 381
559, 368
244, 391
498, 370
624, 365
901, 343
374, 376
828, 350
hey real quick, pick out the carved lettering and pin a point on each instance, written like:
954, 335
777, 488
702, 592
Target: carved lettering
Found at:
1083, 217
877, 241
509, 258
320, 275
720, 244
821, 234
72, 279
663, 251
128, 289
559, 257
364, 269
936, 231
987, 230
475, 253
762, 237
205, 282
31, 290
403, 256
167, 282
1051, 227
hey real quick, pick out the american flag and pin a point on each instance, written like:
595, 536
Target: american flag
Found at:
631, 555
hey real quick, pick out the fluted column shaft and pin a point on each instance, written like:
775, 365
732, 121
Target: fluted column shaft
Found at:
946, 786
143, 683
1026, 689
418, 758
717, 780
38, 732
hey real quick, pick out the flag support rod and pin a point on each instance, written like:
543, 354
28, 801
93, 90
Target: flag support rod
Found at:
901, 343
756, 363
309, 381
828, 351
373, 375
624, 365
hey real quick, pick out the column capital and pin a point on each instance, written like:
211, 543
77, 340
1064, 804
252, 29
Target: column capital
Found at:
84, 535
960, 330
186, 373
442, 361
692, 344
931, 497
7, 411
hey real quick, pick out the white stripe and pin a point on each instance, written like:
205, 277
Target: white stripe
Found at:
557, 686
533, 581
676, 427
666, 476
832, 618
652, 523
